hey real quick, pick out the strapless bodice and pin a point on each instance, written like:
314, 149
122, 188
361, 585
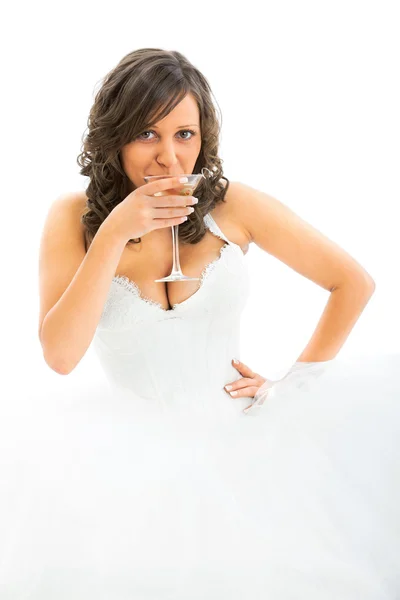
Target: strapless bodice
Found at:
162, 354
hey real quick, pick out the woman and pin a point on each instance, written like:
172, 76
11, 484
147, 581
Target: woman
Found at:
164, 485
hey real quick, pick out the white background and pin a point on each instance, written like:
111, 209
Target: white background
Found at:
309, 95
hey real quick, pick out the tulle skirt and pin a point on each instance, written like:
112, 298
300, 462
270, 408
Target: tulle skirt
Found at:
103, 497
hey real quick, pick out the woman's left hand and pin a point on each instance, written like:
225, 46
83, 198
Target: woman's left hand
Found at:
247, 385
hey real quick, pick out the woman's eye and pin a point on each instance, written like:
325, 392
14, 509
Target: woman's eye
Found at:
188, 131
193, 133
142, 134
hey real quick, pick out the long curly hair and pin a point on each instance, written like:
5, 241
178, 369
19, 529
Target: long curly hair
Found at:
143, 88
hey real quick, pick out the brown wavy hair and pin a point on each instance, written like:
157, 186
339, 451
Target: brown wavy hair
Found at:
141, 90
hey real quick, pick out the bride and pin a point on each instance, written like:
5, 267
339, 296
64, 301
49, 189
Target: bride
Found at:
191, 476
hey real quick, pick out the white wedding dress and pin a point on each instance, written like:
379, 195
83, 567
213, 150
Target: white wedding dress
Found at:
161, 487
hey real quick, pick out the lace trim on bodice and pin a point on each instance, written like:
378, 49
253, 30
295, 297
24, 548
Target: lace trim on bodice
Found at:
132, 286
213, 227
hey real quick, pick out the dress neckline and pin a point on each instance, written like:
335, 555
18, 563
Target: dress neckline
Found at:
132, 287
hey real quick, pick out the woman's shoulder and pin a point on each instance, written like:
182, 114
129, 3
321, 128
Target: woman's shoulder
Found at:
229, 213
75, 205
78, 199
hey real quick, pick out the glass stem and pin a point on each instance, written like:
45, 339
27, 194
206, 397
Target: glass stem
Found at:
176, 267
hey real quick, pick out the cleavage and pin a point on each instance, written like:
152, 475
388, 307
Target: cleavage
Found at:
154, 261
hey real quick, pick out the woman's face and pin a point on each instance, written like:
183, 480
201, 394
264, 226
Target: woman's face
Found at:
170, 147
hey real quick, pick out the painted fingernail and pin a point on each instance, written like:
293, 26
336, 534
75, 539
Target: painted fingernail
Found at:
233, 393
235, 360
228, 387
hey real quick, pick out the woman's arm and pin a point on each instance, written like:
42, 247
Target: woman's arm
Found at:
73, 284
275, 228
344, 307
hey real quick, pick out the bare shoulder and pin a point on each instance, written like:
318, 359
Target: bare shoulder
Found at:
275, 228
77, 202
233, 211
74, 205
71, 201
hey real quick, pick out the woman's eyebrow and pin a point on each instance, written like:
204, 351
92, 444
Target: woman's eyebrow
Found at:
190, 125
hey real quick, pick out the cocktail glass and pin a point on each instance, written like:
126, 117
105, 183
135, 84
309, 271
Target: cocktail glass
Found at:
187, 189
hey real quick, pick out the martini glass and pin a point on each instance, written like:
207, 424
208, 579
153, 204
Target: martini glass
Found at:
187, 189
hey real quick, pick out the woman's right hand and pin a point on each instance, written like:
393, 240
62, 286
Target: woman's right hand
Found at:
141, 211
